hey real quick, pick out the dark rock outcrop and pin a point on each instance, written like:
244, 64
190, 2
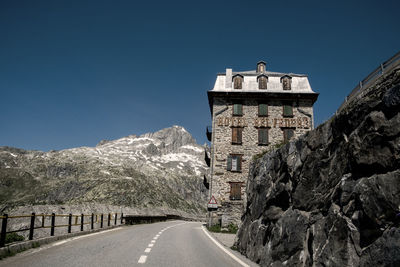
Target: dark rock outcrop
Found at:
332, 197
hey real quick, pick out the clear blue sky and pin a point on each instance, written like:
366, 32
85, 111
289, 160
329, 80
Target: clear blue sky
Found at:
75, 72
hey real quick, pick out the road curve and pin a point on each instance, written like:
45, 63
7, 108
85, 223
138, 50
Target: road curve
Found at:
173, 243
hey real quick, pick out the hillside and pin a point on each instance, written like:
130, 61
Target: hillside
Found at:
161, 170
332, 197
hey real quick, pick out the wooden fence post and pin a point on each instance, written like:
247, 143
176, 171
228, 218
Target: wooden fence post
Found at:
82, 222
3, 230
92, 222
69, 222
101, 221
53, 223
32, 227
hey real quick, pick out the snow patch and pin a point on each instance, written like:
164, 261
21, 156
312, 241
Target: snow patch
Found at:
197, 149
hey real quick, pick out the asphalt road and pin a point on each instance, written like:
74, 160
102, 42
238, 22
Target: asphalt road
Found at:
173, 243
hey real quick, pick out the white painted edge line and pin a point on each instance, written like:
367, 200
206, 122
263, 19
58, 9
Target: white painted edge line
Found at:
83, 236
29, 252
224, 249
142, 259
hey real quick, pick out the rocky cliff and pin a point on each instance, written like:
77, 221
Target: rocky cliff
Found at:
156, 171
332, 197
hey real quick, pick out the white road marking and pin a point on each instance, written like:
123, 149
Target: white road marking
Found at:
155, 238
150, 245
225, 250
147, 250
70, 239
153, 241
142, 259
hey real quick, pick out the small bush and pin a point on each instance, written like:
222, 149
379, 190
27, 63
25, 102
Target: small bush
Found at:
231, 229
13, 237
215, 228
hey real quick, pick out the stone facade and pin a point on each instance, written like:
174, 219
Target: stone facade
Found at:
228, 181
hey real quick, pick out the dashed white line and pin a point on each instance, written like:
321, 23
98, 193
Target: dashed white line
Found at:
142, 259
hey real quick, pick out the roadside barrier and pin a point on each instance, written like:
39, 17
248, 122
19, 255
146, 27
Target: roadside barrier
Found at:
383, 68
72, 220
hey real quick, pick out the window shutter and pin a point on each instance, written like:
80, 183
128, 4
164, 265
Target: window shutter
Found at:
239, 135
234, 135
237, 109
229, 163
263, 136
239, 163
290, 133
262, 110
287, 110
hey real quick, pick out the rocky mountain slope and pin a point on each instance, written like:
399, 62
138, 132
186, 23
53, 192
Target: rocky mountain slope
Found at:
332, 197
161, 170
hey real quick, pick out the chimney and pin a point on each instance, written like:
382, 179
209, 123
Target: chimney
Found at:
228, 78
261, 67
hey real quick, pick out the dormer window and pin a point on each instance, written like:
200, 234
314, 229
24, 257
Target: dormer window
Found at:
237, 81
286, 82
261, 67
262, 82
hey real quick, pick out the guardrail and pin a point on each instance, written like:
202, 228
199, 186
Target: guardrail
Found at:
386, 66
79, 220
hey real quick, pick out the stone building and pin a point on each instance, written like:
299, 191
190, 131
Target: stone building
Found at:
252, 111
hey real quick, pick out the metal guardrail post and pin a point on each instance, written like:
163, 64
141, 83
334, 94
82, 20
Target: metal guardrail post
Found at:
109, 219
3, 230
101, 221
53, 223
32, 227
115, 221
69, 222
92, 222
82, 222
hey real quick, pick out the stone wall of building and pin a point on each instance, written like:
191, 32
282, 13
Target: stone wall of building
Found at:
302, 121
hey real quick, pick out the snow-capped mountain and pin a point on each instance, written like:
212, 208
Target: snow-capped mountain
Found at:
161, 169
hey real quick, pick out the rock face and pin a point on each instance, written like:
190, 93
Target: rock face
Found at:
332, 197
161, 170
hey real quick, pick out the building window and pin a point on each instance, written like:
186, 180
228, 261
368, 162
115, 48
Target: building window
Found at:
236, 191
287, 110
287, 134
262, 82
261, 66
262, 110
237, 82
286, 82
234, 163
237, 109
263, 136
237, 135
